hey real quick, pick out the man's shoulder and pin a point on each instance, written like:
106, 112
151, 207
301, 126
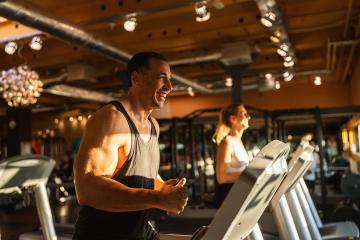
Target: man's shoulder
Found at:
108, 116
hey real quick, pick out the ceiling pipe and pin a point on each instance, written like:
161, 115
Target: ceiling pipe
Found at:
194, 60
80, 93
27, 14
54, 80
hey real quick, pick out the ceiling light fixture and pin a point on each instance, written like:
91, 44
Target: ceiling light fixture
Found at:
288, 76
277, 85
268, 76
202, 11
268, 19
289, 64
281, 52
130, 23
276, 37
228, 82
288, 58
317, 80
11, 47
36, 43
284, 47
190, 91
20, 86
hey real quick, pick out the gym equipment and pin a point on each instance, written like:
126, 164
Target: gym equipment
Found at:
335, 230
27, 174
279, 211
350, 186
238, 215
303, 212
236, 219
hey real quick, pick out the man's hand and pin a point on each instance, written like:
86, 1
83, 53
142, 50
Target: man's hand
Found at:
173, 196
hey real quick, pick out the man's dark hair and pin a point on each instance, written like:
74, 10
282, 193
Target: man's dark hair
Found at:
140, 62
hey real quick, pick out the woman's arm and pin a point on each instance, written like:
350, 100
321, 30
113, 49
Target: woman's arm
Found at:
223, 160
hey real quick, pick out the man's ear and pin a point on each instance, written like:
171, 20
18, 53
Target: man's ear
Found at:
135, 78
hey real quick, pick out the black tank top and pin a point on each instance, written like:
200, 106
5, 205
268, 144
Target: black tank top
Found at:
139, 171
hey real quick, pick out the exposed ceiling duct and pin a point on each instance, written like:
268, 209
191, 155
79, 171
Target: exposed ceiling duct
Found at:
26, 14
54, 86
75, 92
193, 60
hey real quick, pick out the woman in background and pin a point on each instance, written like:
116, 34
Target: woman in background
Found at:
231, 157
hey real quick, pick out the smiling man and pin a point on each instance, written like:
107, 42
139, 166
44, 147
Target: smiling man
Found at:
116, 170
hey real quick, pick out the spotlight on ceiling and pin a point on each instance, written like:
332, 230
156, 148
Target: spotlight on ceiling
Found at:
288, 76
130, 24
36, 43
288, 58
277, 85
11, 47
289, 64
268, 19
190, 91
276, 36
268, 76
228, 82
284, 47
281, 52
317, 80
202, 11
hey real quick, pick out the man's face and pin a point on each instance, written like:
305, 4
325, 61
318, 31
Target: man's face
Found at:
155, 84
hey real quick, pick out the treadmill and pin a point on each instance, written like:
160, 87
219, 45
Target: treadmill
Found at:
238, 215
236, 219
295, 215
328, 231
278, 221
28, 174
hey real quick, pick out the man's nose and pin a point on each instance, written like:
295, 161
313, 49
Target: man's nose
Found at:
168, 84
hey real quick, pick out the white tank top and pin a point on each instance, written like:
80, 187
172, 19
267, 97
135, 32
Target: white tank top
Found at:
239, 158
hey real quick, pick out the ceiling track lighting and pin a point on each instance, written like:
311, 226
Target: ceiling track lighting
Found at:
271, 18
289, 64
268, 19
281, 52
276, 37
277, 85
36, 43
317, 80
190, 91
11, 47
268, 76
228, 82
288, 58
202, 11
288, 76
130, 23
284, 47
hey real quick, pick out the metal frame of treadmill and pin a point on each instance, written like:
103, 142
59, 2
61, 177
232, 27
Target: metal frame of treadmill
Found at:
30, 171
250, 195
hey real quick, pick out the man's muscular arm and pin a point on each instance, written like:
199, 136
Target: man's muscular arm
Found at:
96, 162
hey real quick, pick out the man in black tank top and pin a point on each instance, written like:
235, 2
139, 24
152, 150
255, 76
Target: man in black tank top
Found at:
116, 169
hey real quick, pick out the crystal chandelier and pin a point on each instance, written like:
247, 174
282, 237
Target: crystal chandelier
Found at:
20, 86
